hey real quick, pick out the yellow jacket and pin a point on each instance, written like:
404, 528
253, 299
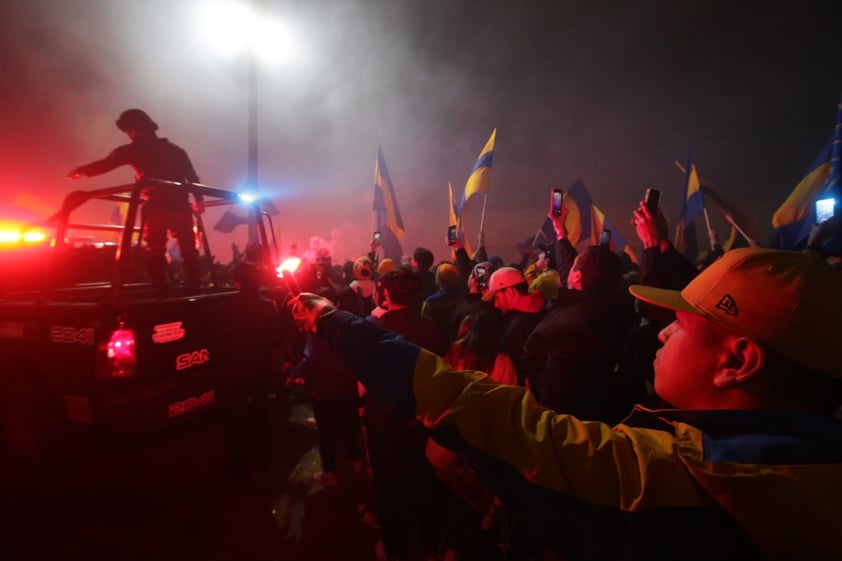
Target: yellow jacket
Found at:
662, 484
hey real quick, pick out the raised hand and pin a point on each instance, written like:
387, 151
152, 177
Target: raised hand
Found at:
307, 308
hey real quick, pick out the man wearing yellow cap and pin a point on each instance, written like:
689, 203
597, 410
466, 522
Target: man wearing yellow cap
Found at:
441, 306
746, 465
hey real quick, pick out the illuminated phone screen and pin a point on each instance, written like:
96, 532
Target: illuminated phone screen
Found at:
556, 202
825, 208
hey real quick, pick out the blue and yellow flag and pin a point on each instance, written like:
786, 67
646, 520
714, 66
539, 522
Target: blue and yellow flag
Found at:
794, 219
452, 207
618, 242
578, 203
387, 216
743, 232
480, 178
455, 217
692, 205
584, 223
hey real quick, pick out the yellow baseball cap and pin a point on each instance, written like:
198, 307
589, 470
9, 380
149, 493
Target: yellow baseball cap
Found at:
385, 266
448, 274
788, 301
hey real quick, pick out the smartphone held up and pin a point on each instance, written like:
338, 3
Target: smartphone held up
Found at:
451, 235
481, 276
556, 201
605, 238
652, 199
825, 209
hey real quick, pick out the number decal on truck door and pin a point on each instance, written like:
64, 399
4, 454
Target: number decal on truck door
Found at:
71, 335
191, 403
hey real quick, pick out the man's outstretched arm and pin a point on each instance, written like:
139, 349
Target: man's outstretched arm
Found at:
620, 467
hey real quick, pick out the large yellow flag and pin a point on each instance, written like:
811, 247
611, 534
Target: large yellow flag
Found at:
480, 178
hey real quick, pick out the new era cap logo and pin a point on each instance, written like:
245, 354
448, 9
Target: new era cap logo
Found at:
727, 305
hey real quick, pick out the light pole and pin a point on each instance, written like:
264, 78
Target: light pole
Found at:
252, 185
236, 27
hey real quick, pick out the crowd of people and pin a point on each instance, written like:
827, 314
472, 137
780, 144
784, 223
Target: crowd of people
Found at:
568, 406
571, 407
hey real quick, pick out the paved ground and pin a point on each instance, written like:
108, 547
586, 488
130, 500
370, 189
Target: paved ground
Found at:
166, 499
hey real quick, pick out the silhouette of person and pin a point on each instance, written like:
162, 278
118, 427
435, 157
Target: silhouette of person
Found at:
165, 207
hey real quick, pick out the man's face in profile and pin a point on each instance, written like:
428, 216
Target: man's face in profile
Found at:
685, 365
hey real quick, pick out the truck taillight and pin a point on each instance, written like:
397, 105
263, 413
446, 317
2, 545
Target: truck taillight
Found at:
120, 352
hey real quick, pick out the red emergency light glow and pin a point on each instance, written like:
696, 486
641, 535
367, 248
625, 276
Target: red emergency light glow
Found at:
34, 237
120, 350
11, 235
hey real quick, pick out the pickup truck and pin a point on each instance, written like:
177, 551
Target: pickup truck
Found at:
87, 341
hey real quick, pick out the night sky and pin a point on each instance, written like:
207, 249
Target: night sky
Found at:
611, 93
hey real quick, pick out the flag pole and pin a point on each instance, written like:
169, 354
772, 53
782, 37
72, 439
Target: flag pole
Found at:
731, 221
707, 222
374, 211
482, 216
727, 215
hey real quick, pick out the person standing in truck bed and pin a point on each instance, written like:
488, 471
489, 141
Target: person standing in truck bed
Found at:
165, 208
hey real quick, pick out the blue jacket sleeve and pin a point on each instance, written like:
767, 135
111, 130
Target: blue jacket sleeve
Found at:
384, 361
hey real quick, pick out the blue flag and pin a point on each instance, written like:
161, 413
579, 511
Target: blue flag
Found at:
480, 179
794, 219
692, 205
618, 242
579, 205
231, 218
585, 221
387, 216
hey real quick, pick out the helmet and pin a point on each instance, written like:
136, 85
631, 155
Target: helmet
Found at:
135, 119
363, 268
